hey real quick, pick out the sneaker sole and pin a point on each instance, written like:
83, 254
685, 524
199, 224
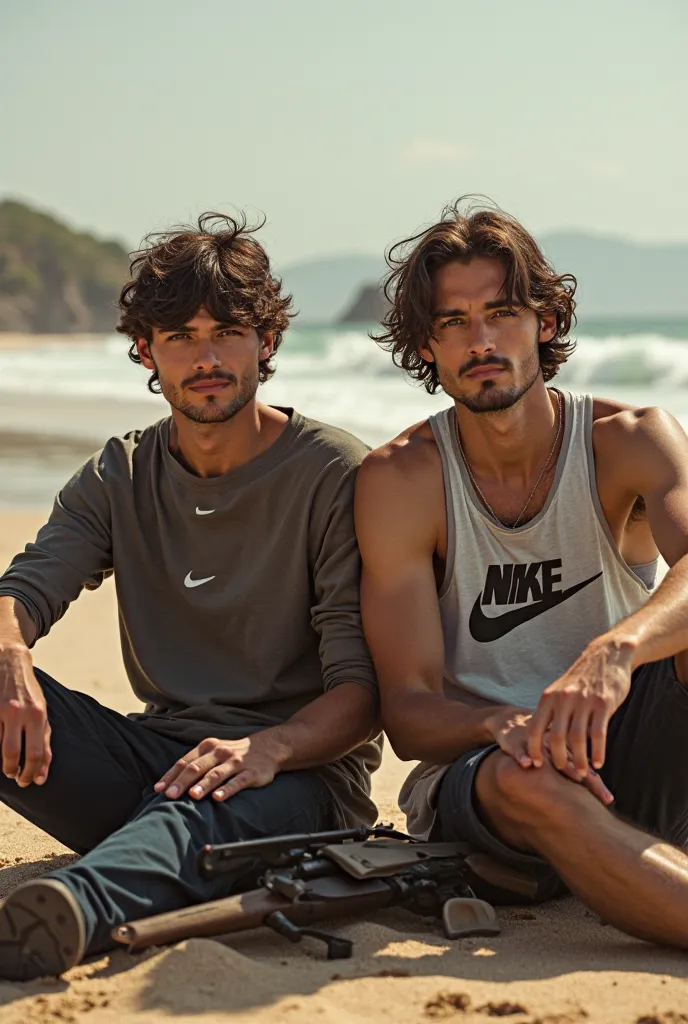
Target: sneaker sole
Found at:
41, 931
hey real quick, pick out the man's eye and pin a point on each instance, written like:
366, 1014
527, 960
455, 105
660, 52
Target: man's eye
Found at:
452, 323
505, 312
231, 331
177, 337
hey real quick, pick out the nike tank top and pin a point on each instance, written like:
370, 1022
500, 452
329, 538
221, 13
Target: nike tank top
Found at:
519, 605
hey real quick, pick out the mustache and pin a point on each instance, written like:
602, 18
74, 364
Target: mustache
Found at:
200, 378
474, 363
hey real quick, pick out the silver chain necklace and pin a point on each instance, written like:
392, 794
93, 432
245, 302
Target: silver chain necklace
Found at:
537, 482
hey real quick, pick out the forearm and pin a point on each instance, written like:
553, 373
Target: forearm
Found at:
17, 628
323, 731
425, 726
660, 628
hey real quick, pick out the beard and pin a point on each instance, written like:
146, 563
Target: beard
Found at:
491, 398
213, 409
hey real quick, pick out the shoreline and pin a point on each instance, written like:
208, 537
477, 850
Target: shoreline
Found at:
17, 339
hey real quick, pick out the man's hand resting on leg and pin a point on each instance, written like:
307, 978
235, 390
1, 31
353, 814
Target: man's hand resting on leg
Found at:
511, 729
320, 733
576, 708
223, 768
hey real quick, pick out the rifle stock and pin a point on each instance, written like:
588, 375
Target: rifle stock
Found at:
327, 898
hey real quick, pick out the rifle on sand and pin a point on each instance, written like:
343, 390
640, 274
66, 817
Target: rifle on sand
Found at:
350, 872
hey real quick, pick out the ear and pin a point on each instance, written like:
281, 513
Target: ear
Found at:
267, 345
548, 327
426, 352
143, 349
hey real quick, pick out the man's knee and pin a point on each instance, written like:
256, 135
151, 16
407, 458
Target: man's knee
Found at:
524, 796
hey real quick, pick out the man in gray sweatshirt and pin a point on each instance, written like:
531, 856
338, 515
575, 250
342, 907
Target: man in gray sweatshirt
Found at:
228, 527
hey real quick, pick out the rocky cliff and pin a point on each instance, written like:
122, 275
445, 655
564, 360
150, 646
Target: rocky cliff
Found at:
54, 279
369, 306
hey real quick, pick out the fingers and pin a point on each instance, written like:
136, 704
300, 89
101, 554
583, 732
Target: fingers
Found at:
243, 780
577, 739
175, 771
557, 737
594, 783
598, 736
11, 746
220, 773
34, 721
537, 727
513, 743
564, 726
42, 774
187, 772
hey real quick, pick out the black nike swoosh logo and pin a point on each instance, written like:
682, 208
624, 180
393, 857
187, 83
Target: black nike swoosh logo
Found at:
484, 630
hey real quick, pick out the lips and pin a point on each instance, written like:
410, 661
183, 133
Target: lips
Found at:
485, 371
209, 387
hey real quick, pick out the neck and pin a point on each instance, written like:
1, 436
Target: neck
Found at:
512, 443
211, 449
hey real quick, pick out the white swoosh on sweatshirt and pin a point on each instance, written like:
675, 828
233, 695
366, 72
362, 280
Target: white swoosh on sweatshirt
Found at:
188, 582
204, 511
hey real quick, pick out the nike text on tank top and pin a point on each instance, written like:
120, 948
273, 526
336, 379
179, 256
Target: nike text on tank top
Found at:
518, 606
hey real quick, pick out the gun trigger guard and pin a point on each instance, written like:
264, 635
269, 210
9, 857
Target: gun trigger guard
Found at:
337, 948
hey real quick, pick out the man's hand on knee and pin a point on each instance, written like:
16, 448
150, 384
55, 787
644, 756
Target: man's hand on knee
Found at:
511, 729
221, 767
574, 711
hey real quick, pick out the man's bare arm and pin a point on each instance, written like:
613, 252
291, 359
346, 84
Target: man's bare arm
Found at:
397, 535
16, 625
646, 452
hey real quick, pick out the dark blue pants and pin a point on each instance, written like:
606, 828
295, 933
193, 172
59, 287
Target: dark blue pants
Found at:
140, 849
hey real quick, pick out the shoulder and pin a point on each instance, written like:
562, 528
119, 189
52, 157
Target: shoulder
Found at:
408, 460
399, 498
324, 443
633, 427
116, 458
631, 440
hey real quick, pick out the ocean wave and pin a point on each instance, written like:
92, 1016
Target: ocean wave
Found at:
332, 360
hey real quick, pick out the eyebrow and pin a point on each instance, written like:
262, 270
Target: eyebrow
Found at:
495, 304
190, 330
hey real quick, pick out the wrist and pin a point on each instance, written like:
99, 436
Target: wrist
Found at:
14, 649
620, 647
496, 719
273, 744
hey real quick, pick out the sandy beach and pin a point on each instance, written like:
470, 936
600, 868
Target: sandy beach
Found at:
553, 965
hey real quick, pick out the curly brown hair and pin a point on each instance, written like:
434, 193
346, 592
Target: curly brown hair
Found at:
469, 228
218, 266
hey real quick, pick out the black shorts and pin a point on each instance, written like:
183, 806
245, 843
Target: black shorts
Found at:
645, 769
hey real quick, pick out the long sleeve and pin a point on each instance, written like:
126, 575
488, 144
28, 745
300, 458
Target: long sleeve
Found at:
72, 551
336, 569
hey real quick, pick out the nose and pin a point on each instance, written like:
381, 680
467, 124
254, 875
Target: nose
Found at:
481, 342
206, 357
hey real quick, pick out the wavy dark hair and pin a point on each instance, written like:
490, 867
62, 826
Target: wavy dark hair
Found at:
471, 227
218, 266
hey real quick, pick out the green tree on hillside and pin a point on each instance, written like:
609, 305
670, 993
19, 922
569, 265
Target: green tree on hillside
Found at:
54, 279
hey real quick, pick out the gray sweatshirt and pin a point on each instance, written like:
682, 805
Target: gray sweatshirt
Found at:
238, 595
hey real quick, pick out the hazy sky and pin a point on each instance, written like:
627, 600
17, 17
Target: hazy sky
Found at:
349, 123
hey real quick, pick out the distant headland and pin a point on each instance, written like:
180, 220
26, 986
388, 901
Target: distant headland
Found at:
54, 280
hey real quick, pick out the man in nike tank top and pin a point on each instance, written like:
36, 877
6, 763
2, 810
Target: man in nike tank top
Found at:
229, 529
509, 548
